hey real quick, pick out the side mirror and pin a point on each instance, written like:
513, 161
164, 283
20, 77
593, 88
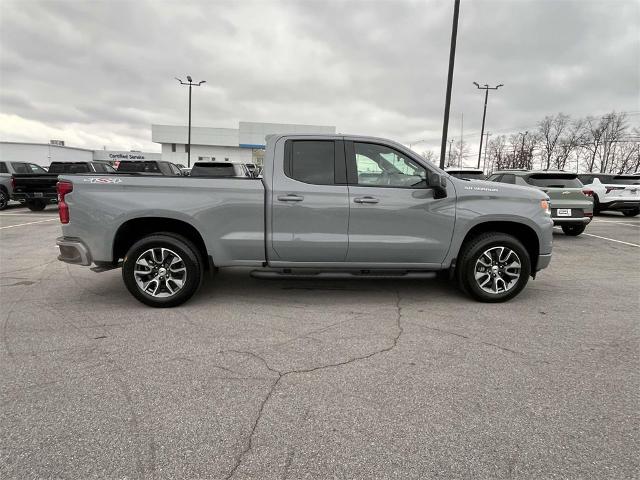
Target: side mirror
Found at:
439, 184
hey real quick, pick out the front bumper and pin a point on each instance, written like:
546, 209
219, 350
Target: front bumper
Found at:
543, 261
73, 251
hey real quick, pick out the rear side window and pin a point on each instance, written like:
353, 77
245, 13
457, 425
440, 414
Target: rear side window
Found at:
625, 180
311, 161
140, 167
68, 167
3, 168
20, 167
508, 178
554, 181
213, 169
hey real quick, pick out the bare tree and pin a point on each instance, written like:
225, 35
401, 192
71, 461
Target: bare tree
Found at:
551, 131
460, 152
601, 136
430, 156
497, 153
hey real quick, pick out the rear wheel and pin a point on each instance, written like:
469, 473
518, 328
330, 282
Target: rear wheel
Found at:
162, 270
4, 199
631, 213
573, 230
36, 205
493, 267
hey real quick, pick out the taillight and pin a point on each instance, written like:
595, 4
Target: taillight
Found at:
63, 209
587, 192
610, 189
13, 183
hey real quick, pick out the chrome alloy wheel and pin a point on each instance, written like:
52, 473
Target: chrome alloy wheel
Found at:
160, 272
497, 270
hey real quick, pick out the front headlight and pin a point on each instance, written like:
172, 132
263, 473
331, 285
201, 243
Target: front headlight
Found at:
544, 205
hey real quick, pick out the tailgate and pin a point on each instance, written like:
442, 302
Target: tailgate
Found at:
35, 185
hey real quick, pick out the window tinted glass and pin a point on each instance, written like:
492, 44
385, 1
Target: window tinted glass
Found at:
625, 180
382, 166
469, 175
36, 168
99, 167
312, 161
554, 181
109, 169
211, 169
495, 177
149, 167
3, 168
68, 167
20, 167
508, 178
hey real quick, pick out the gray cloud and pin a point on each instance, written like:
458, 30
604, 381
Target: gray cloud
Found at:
104, 70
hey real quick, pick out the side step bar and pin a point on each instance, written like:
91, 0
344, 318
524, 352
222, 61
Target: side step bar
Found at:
282, 275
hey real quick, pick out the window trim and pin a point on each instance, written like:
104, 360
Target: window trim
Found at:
339, 163
352, 167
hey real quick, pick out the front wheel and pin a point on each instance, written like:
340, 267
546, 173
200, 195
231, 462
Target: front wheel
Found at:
573, 230
631, 213
493, 267
162, 270
36, 205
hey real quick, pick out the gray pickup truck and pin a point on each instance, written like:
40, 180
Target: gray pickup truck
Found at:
326, 206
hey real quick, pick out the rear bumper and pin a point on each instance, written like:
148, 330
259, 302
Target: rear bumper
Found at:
620, 205
73, 251
24, 197
543, 261
559, 221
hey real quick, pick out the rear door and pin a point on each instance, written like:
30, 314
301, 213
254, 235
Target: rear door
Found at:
310, 204
394, 217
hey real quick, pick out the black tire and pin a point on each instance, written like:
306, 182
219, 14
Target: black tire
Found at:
36, 205
631, 213
596, 205
190, 259
573, 230
4, 199
471, 252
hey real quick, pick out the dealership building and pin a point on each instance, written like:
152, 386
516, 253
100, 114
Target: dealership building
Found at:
56, 151
244, 144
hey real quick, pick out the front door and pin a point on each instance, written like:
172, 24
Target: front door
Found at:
394, 217
310, 203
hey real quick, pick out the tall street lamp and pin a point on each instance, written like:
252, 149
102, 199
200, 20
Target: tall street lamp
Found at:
486, 89
191, 84
452, 59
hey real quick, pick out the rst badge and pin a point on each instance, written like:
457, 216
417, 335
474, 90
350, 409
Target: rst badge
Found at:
102, 180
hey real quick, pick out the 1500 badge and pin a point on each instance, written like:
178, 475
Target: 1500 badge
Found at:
102, 180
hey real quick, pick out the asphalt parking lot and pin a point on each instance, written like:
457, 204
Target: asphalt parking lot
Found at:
262, 379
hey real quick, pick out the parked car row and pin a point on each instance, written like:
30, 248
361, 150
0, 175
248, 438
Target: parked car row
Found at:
35, 186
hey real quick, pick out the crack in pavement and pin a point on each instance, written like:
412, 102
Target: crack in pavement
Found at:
282, 374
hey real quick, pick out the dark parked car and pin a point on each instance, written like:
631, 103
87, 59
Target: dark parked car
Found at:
153, 167
7, 170
37, 189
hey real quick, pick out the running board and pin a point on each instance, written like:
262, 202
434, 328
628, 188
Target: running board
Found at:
105, 267
280, 275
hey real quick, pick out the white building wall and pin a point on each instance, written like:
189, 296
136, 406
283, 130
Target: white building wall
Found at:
42, 153
207, 152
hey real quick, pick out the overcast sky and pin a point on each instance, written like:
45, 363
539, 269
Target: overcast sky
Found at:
100, 73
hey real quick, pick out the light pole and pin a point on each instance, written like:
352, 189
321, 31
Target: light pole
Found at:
447, 102
486, 89
191, 84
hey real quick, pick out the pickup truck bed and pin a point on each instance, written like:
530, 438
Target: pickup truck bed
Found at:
325, 204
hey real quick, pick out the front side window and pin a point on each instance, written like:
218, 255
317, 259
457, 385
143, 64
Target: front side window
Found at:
508, 178
382, 166
20, 167
312, 161
3, 168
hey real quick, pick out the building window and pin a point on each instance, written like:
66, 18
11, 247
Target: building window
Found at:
173, 147
226, 159
213, 159
200, 159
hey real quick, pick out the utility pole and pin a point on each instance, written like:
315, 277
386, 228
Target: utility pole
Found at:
461, 140
486, 89
191, 84
484, 166
452, 59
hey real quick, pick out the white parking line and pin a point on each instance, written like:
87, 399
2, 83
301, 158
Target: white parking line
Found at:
617, 223
29, 223
611, 239
24, 215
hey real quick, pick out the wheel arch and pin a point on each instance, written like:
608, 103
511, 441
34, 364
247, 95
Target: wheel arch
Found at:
134, 229
524, 233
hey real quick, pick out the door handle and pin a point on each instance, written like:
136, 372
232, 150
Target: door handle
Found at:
365, 200
290, 198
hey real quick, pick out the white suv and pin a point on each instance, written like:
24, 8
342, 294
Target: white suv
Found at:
613, 192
